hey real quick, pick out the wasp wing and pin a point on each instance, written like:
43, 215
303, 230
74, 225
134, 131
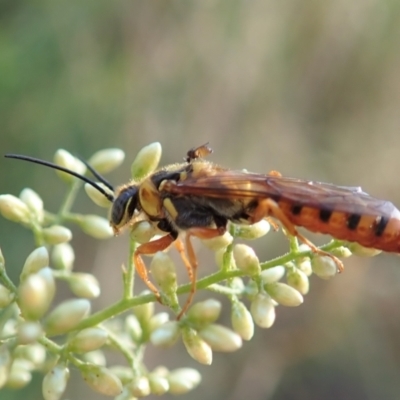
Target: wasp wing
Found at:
241, 185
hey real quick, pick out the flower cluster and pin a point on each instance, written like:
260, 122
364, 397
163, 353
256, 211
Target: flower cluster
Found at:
28, 327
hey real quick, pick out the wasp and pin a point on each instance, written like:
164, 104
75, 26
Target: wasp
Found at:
199, 198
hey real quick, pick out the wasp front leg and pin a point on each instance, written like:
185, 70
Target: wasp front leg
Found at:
270, 208
149, 249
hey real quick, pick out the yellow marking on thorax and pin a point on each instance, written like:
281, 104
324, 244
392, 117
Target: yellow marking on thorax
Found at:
150, 199
169, 206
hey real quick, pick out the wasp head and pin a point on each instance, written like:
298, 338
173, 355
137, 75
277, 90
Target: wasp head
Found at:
124, 206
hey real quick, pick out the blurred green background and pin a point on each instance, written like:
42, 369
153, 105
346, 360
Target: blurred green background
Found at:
309, 88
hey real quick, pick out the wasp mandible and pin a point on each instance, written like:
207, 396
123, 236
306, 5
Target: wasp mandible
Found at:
199, 198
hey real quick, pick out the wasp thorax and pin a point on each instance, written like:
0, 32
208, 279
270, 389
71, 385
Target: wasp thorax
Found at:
124, 207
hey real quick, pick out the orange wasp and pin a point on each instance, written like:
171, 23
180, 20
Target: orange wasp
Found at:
200, 198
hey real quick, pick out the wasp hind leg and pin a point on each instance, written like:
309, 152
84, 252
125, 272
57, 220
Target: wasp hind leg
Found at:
270, 208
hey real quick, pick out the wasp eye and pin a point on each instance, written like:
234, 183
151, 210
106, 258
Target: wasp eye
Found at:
124, 206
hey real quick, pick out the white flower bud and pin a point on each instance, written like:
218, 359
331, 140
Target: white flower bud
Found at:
55, 382
362, 251
63, 257
66, 316
298, 280
158, 384
28, 332
218, 242
342, 252
143, 232
273, 274
165, 335
88, 339
33, 353
38, 259
34, 297
263, 310
304, 265
47, 274
125, 374
183, 380
157, 320
102, 380
144, 312
255, 231
197, 348
6, 297
246, 259
139, 387
5, 364
133, 328
146, 160
104, 161
57, 234
97, 197
34, 202
96, 226
67, 160
221, 338
95, 357
324, 267
14, 209
205, 312
284, 294
163, 270
251, 290
20, 374
84, 285
242, 322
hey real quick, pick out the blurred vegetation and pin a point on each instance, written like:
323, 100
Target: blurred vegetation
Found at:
308, 88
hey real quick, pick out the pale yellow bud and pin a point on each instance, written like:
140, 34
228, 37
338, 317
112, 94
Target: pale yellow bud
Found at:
342, 252
205, 312
163, 270
242, 322
34, 203
158, 384
298, 280
67, 160
97, 197
66, 316
34, 353
6, 297
165, 335
14, 209
125, 374
143, 232
255, 231
88, 339
34, 297
221, 338
273, 274
84, 285
96, 357
28, 332
38, 259
324, 267
263, 310
63, 256
55, 382
146, 160
139, 387
104, 161
362, 251
57, 234
219, 242
183, 380
304, 265
157, 320
197, 348
96, 226
144, 312
284, 294
246, 259
102, 380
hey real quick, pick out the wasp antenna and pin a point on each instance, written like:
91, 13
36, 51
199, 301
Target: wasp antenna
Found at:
66, 170
97, 175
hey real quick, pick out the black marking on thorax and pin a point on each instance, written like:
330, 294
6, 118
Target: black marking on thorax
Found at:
380, 225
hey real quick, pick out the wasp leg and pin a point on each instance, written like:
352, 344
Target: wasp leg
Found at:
147, 249
191, 266
269, 207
